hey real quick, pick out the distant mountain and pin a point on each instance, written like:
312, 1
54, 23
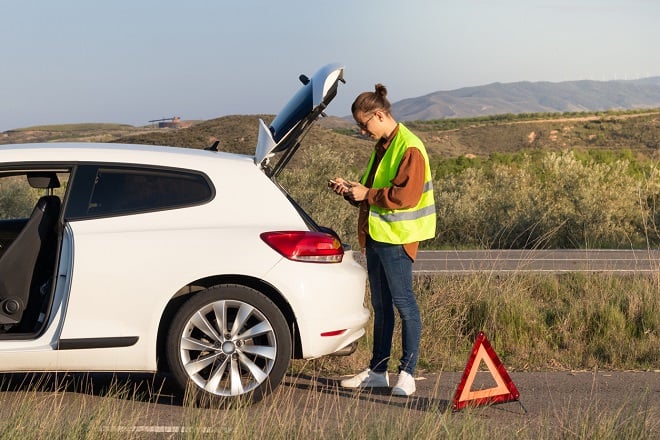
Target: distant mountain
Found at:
531, 97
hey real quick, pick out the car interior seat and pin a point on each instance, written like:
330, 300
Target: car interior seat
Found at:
22, 266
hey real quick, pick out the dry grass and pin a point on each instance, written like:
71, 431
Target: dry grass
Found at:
535, 323
39, 412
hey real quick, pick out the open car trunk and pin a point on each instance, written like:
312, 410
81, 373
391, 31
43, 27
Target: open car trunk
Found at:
283, 137
292, 123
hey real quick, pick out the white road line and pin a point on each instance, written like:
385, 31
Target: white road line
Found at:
166, 429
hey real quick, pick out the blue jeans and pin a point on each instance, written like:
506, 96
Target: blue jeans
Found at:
390, 280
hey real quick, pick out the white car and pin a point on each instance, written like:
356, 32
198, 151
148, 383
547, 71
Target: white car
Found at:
194, 262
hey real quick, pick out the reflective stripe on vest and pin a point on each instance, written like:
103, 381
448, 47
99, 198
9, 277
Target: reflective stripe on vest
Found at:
399, 226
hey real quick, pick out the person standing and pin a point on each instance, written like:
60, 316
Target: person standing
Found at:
396, 212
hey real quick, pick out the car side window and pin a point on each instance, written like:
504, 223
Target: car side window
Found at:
18, 195
119, 191
20, 190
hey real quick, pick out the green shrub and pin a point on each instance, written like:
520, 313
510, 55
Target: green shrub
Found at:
555, 200
511, 201
17, 198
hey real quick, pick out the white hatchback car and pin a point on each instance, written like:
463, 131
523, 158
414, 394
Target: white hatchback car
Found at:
140, 258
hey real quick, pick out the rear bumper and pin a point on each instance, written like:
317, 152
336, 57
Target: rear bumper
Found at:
327, 301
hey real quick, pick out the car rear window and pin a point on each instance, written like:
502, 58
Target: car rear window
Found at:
120, 190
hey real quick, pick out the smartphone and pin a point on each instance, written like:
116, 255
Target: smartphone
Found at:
344, 184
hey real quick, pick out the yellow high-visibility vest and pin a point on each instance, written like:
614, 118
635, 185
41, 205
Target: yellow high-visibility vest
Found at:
399, 226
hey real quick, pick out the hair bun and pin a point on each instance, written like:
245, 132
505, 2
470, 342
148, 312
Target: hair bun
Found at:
372, 101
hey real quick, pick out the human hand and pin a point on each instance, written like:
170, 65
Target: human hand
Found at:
339, 185
357, 192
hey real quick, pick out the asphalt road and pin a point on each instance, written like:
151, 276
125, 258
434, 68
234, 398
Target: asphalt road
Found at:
557, 402
568, 260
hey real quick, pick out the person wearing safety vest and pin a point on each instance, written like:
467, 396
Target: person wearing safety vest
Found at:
397, 211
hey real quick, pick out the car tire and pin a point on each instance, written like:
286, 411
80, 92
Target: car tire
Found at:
228, 345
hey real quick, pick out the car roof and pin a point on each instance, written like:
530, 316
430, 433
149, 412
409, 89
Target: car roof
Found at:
79, 152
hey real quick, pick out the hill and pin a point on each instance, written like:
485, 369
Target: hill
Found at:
531, 97
88, 132
637, 131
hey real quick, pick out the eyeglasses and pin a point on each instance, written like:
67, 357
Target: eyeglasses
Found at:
364, 125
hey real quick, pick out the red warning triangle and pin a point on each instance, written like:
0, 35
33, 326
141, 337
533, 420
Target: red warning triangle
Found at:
504, 391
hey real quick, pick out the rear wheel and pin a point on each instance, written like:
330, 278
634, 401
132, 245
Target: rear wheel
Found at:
229, 344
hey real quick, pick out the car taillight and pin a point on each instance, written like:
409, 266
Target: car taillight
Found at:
309, 246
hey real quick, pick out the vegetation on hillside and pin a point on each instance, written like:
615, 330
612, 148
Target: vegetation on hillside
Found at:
457, 123
89, 132
548, 200
638, 132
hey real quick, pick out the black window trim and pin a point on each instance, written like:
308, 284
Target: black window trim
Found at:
76, 197
81, 192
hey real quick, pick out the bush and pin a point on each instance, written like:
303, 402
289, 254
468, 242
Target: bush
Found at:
17, 198
308, 185
556, 201
511, 201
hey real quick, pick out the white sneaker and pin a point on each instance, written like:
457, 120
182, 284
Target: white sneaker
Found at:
367, 379
405, 386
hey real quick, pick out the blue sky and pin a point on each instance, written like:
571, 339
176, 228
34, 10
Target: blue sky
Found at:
130, 61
